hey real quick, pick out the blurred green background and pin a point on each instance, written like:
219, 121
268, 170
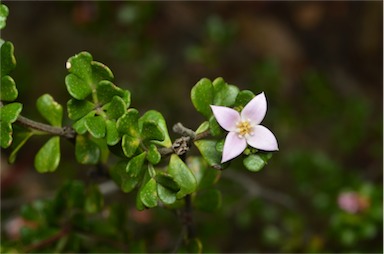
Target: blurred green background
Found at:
320, 65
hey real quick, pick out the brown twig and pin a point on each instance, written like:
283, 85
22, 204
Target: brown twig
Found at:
66, 132
63, 232
182, 145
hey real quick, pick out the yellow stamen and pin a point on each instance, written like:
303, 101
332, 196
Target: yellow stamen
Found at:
244, 128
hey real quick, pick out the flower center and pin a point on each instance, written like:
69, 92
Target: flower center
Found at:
244, 128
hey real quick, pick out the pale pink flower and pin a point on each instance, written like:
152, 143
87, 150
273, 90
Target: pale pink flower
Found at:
352, 202
244, 128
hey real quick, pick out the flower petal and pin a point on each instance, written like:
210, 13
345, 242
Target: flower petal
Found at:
233, 146
262, 139
226, 117
256, 109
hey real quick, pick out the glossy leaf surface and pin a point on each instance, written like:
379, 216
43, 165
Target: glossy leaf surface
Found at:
182, 175
8, 90
202, 97
96, 126
135, 165
256, 162
79, 108
157, 117
87, 152
224, 94
50, 109
3, 15
148, 194
207, 148
47, 158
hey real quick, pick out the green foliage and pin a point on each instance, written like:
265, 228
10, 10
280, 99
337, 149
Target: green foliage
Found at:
3, 15
87, 151
202, 96
8, 115
182, 175
103, 122
48, 157
208, 150
225, 95
50, 109
256, 162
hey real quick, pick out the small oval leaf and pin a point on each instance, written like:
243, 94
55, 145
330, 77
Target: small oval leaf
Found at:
77, 87
10, 112
50, 109
87, 152
148, 194
8, 90
182, 175
96, 126
113, 136
47, 158
157, 117
202, 97
79, 108
135, 165
130, 145
255, 162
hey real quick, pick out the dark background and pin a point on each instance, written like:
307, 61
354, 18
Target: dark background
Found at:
319, 63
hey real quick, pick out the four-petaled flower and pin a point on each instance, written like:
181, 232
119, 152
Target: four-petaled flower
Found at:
244, 128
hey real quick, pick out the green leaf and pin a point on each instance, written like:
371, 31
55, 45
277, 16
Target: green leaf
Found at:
224, 94
3, 15
166, 195
243, 98
157, 117
86, 151
153, 155
96, 126
130, 145
255, 162
10, 112
106, 90
104, 149
208, 200
148, 194
151, 131
79, 108
93, 199
207, 148
205, 176
47, 158
167, 182
202, 97
79, 125
120, 176
77, 87
135, 165
113, 136
214, 128
20, 138
203, 127
5, 134
50, 109
182, 175
116, 108
128, 123
8, 60
8, 90
139, 203
100, 72
80, 65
